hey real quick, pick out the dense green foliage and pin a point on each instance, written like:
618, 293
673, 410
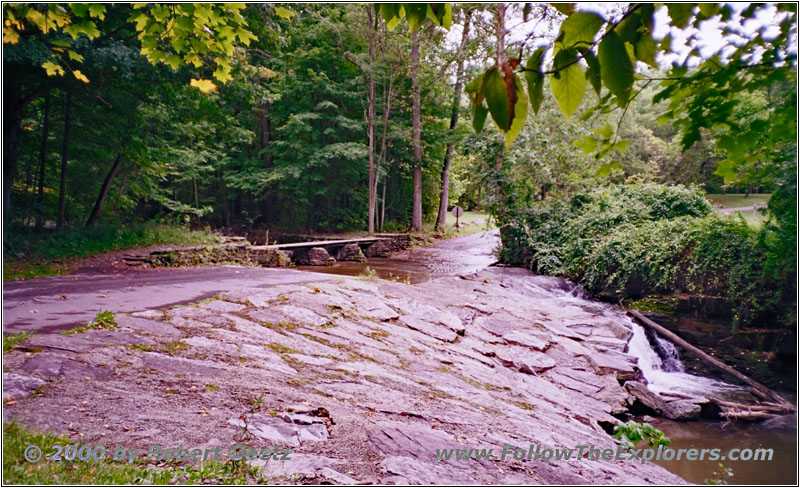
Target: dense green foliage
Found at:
634, 240
30, 254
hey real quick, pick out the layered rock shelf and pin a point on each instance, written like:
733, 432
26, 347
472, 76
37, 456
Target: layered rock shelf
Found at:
364, 380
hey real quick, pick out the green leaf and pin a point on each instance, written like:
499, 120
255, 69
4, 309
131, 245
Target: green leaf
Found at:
415, 14
174, 61
79, 9
680, 13
479, 117
593, 73
617, 67
605, 170
645, 50
588, 144
494, 88
568, 84
441, 14
580, 28
707, 10
628, 29
392, 14
284, 13
52, 69
535, 79
520, 112
475, 89
564, 8
97, 10
74, 56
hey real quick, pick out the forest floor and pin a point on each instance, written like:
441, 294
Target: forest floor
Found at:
363, 380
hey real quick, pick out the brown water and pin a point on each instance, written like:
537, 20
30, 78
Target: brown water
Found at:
471, 253
446, 257
781, 470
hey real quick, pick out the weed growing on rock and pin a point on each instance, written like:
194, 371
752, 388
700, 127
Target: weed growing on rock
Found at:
103, 320
11, 340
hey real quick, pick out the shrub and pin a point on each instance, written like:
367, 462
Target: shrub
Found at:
635, 240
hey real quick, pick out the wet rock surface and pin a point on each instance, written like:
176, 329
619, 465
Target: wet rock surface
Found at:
364, 380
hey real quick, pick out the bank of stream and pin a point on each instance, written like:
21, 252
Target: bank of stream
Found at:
665, 367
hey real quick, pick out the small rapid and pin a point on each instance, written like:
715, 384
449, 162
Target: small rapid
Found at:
665, 372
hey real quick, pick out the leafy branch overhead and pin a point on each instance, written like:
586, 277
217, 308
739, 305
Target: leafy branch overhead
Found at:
593, 51
200, 35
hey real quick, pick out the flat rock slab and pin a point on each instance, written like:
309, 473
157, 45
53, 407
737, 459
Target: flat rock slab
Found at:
404, 470
285, 430
524, 360
417, 440
610, 364
222, 306
113, 338
148, 326
17, 385
308, 465
524, 339
74, 343
172, 365
434, 330
52, 365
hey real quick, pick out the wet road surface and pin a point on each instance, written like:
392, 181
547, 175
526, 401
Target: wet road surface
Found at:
58, 303
61, 302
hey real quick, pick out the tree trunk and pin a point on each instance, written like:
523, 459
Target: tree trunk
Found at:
371, 124
12, 118
416, 214
42, 164
14, 102
441, 219
386, 112
62, 188
98, 205
383, 204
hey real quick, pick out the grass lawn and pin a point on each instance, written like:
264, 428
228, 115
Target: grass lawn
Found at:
466, 221
735, 200
754, 218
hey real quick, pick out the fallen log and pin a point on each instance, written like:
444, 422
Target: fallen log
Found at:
762, 391
748, 415
751, 408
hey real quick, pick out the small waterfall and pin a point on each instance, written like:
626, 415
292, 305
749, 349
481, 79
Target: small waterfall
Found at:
666, 374
670, 359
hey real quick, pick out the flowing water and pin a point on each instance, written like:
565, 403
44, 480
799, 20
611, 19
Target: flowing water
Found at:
659, 360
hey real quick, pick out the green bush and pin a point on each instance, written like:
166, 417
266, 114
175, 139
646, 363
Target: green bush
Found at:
636, 240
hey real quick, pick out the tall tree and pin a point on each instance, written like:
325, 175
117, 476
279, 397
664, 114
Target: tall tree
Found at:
43, 163
372, 177
416, 215
62, 187
441, 219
